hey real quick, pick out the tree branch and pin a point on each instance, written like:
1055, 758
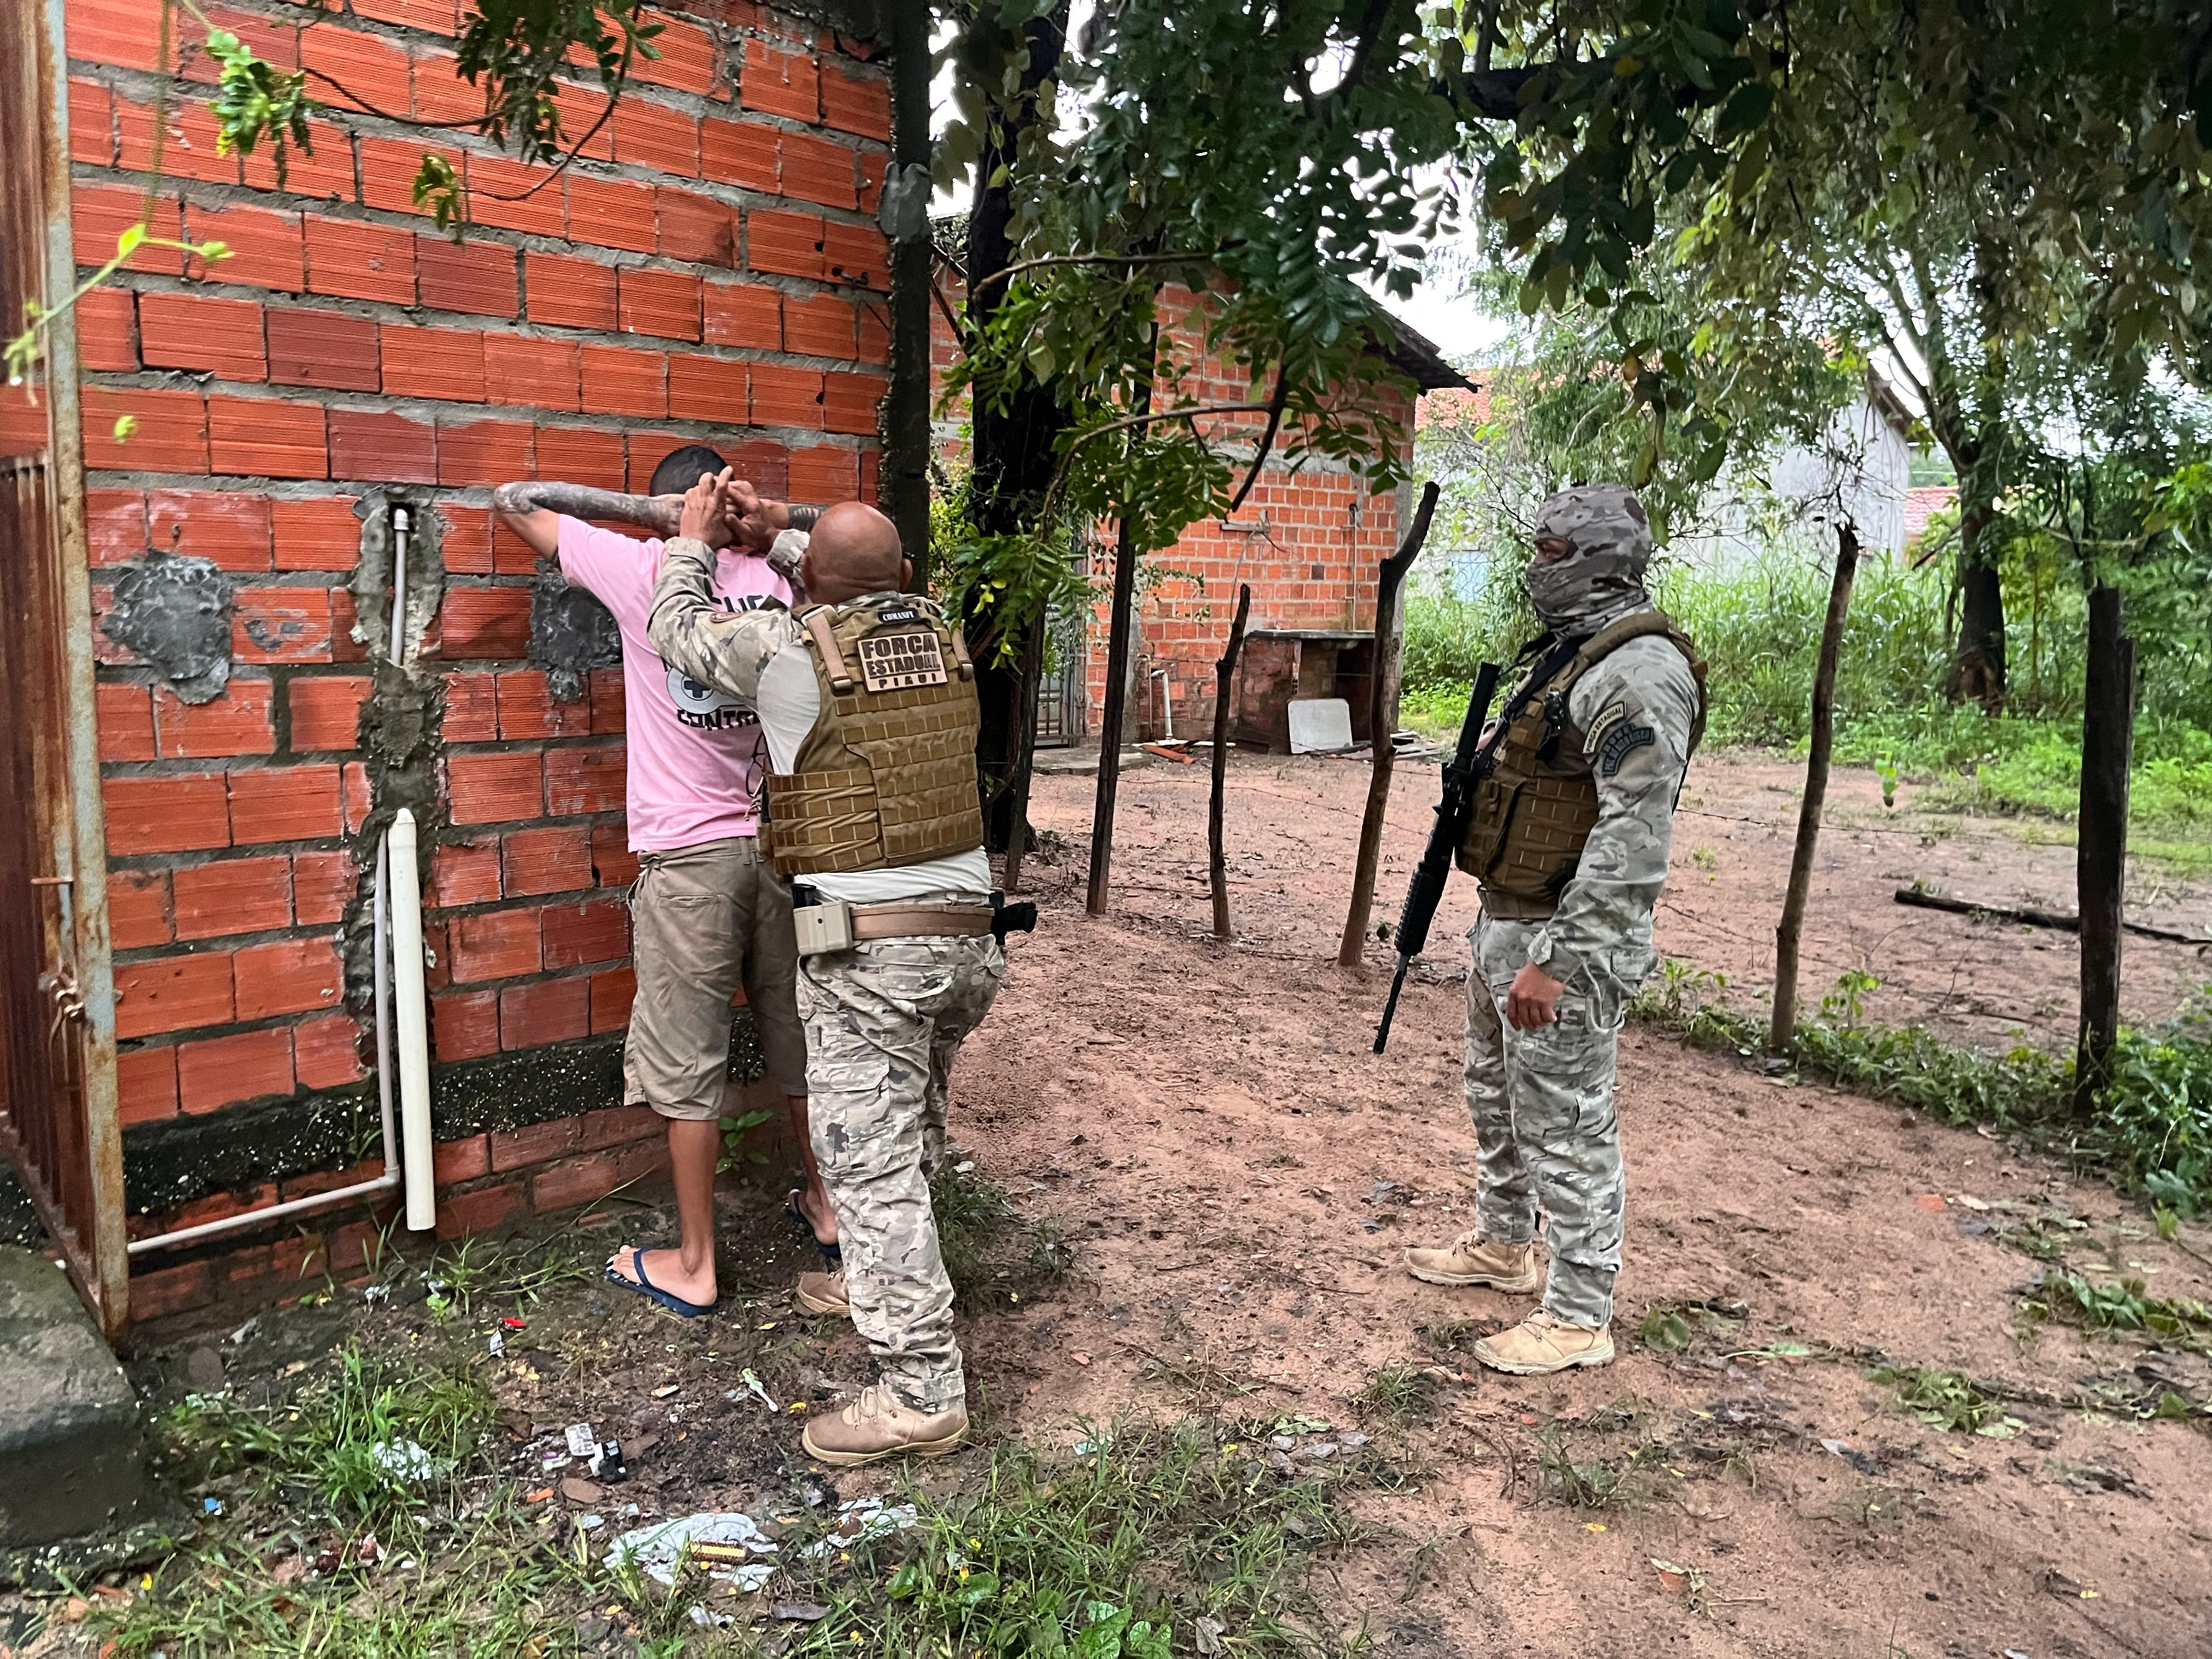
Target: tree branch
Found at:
1191, 412
1130, 260
1276, 405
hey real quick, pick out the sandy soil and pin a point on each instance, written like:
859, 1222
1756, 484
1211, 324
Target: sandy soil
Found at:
1238, 1174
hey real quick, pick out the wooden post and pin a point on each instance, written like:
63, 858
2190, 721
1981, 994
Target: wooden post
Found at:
1225, 672
1381, 715
1017, 832
1791, 927
1122, 622
2102, 838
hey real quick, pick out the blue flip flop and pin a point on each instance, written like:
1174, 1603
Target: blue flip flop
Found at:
833, 1255
645, 1287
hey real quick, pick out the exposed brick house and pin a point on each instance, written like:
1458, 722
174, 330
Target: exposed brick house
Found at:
711, 270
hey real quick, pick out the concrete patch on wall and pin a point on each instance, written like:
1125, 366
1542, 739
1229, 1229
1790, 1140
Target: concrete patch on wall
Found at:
174, 612
180, 1160
571, 633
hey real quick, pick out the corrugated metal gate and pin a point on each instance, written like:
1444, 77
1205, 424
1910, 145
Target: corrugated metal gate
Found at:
57, 1118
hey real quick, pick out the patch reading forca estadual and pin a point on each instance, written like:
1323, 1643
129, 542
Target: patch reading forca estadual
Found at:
1617, 744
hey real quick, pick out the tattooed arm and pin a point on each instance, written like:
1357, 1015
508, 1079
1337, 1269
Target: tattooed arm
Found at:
532, 510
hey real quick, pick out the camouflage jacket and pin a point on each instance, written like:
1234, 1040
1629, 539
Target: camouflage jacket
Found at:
1604, 917
694, 635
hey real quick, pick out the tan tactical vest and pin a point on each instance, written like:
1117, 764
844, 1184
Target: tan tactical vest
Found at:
1536, 810
887, 775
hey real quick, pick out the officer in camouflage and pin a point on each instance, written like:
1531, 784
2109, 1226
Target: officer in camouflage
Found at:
1569, 839
867, 700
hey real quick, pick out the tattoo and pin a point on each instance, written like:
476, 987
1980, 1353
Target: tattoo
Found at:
659, 513
802, 518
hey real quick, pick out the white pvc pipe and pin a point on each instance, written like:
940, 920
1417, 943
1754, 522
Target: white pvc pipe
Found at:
413, 1021
400, 526
1167, 705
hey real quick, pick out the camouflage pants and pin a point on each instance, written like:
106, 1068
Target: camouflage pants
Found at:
1546, 1133
884, 1022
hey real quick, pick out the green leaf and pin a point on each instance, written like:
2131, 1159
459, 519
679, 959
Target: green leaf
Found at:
129, 241
125, 426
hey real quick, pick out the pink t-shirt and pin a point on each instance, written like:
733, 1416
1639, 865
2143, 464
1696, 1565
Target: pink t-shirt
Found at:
696, 753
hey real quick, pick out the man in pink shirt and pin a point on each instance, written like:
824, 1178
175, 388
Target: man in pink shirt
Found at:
707, 913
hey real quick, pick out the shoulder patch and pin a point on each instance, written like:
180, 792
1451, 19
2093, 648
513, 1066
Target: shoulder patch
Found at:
1620, 743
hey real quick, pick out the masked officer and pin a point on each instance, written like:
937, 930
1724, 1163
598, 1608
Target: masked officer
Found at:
868, 703
1569, 840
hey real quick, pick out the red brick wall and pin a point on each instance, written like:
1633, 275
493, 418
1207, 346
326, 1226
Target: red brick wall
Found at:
711, 272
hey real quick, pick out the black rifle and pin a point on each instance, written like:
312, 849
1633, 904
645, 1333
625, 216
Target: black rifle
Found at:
1427, 888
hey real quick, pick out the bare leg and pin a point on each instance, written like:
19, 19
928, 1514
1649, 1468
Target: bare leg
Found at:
694, 1146
813, 1202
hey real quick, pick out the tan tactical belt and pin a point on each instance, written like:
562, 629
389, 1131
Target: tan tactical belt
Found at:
920, 921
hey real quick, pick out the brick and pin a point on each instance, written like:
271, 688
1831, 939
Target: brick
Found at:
281, 624
382, 448
275, 42
872, 163
476, 452
465, 872
850, 403
326, 349
290, 976
787, 397
552, 1011
91, 123
461, 1160
436, 16
823, 474
745, 314
556, 859
477, 277
485, 621
221, 1070
266, 250
446, 364
99, 214
780, 83
856, 103
740, 153
355, 798
520, 371
696, 227
191, 147
321, 534
145, 1085
323, 886
857, 254
690, 59
785, 244
174, 814
612, 861
284, 803
322, 171
138, 909
363, 63
526, 710
619, 381
591, 1177
579, 780
510, 555
325, 711
471, 708
662, 302
327, 1052
579, 454
171, 435
168, 1291
702, 388
356, 260
580, 110
236, 723
233, 896
264, 438
494, 945
609, 710
613, 990
124, 717
510, 195
486, 1210
495, 788
115, 525
653, 134
646, 451
345, 623
388, 170
463, 1025
108, 330
612, 213
819, 326
465, 547
171, 994
617, 1126
123, 33
597, 930
820, 170
573, 293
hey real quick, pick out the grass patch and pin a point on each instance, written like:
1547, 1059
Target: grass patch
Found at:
2121, 1307
993, 1254
1398, 1394
1949, 1400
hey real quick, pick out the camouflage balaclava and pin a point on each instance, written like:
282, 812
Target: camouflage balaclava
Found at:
1601, 576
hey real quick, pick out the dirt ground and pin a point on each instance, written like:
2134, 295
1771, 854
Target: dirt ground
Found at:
1237, 1173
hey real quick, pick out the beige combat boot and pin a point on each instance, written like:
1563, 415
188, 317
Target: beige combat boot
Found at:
1542, 1344
881, 1425
823, 1293
1469, 1260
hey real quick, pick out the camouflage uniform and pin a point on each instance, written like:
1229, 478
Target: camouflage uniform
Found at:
1542, 1100
883, 1020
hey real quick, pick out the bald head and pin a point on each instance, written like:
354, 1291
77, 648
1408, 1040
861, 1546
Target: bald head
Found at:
853, 550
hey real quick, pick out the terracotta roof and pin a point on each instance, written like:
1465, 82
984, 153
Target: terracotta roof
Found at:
1923, 504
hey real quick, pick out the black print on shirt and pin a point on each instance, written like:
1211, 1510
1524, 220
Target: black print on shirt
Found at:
707, 708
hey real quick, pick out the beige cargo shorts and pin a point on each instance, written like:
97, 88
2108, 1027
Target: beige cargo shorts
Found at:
705, 920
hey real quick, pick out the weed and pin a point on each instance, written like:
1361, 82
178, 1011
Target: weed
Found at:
736, 1154
2120, 1306
1671, 1327
1949, 1400
1400, 1393
1591, 1483
993, 1252
1704, 858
